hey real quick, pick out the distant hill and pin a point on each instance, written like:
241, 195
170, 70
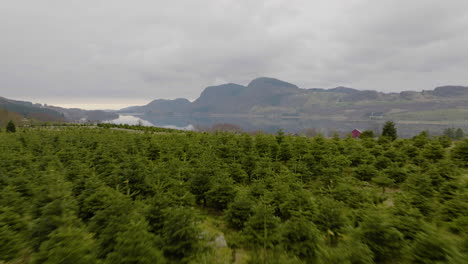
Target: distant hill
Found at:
450, 91
30, 110
160, 106
275, 98
52, 113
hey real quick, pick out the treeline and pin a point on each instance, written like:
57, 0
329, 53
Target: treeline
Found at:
140, 128
454, 133
81, 195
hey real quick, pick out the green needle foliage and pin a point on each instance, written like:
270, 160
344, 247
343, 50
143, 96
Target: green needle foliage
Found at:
389, 130
67, 245
11, 128
101, 195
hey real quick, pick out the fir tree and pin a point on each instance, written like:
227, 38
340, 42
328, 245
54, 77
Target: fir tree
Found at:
11, 128
459, 134
67, 245
135, 246
389, 130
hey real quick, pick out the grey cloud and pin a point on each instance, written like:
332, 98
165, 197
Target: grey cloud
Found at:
119, 49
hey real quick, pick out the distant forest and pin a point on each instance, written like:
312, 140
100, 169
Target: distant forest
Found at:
130, 194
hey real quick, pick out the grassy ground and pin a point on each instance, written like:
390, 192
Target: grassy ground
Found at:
214, 228
433, 115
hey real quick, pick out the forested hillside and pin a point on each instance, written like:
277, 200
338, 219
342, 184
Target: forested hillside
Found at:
96, 195
48, 113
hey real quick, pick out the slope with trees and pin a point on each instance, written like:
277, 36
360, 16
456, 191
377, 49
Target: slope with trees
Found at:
108, 196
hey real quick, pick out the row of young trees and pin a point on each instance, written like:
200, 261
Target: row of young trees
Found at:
95, 195
454, 133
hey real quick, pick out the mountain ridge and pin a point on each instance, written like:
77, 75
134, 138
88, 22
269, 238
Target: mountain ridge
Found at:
45, 112
276, 98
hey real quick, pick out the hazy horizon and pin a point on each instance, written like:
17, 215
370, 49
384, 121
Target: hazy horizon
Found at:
119, 103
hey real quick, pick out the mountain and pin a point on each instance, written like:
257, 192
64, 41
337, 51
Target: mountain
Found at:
52, 113
160, 106
234, 98
30, 110
271, 97
218, 99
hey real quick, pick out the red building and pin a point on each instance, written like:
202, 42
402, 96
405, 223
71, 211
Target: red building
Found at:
355, 133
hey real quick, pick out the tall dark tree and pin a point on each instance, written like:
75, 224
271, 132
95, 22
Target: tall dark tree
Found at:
11, 128
450, 132
459, 134
460, 153
389, 130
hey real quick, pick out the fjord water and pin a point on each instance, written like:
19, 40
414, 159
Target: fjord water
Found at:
139, 120
271, 125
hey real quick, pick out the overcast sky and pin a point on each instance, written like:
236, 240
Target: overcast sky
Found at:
125, 52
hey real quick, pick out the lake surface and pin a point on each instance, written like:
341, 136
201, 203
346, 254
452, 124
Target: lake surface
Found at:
139, 120
271, 125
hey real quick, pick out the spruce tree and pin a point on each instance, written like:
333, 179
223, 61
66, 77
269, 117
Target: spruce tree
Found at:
11, 128
67, 244
460, 153
389, 130
384, 240
136, 246
300, 237
450, 132
430, 246
459, 134
180, 234
367, 134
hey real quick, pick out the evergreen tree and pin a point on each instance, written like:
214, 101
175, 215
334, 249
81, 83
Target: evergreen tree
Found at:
12, 239
430, 247
135, 246
114, 218
367, 134
11, 128
433, 151
221, 193
67, 244
420, 193
460, 153
180, 234
459, 134
289, 199
54, 206
300, 238
450, 132
383, 181
383, 239
389, 130
280, 136
239, 211
331, 218
155, 212
261, 228
350, 251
